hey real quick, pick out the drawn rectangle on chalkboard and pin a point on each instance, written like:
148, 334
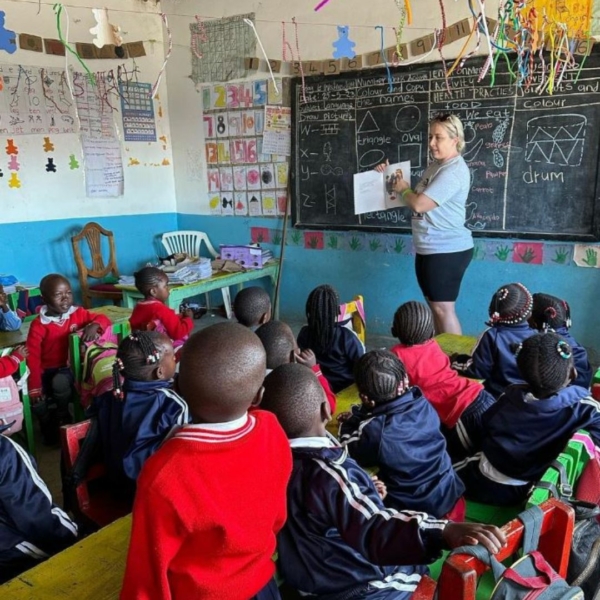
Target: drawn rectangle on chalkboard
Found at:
411, 152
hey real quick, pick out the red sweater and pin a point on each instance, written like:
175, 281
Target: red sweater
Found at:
10, 364
208, 507
325, 385
48, 342
146, 311
429, 369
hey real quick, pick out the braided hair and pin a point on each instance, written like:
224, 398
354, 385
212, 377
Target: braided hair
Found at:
137, 357
322, 310
380, 375
147, 278
510, 305
545, 361
550, 312
413, 323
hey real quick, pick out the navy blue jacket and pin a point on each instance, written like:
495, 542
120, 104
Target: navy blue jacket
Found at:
403, 439
580, 358
132, 429
339, 536
494, 357
29, 521
523, 435
337, 364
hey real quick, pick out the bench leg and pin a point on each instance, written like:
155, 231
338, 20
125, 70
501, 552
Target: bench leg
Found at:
28, 423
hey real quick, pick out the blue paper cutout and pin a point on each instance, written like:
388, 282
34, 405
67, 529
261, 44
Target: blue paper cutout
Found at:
343, 47
8, 39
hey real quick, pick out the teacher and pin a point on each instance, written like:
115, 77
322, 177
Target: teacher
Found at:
443, 245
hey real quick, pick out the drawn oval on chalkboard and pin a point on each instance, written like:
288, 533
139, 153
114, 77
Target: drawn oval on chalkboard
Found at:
371, 158
410, 114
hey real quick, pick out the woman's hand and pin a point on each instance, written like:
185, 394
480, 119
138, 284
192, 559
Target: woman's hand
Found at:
400, 185
382, 167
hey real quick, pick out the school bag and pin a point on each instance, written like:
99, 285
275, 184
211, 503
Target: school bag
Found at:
530, 577
11, 407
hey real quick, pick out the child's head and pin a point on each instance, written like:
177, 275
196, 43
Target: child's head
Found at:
221, 372
153, 283
322, 310
144, 356
279, 343
545, 361
380, 377
549, 312
56, 293
510, 305
413, 323
252, 307
295, 396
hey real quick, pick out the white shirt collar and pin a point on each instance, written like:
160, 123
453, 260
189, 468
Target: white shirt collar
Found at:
47, 319
314, 442
228, 426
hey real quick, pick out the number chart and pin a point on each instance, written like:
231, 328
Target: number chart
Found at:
137, 108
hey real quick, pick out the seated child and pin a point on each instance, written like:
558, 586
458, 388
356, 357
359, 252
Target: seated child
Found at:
139, 413
530, 424
458, 401
51, 380
494, 356
151, 313
339, 538
9, 321
252, 307
32, 527
10, 364
336, 347
211, 500
397, 430
553, 314
281, 348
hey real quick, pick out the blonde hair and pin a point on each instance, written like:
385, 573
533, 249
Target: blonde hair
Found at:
453, 125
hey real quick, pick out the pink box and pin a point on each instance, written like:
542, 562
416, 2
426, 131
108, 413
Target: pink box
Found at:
250, 257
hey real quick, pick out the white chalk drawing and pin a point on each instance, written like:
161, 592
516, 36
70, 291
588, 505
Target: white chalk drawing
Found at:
371, 158
498, 158
498, 137
556, 144
330, 199
306, 201
471, 153
329, 170
407, 118
303, 153
330, 129
368, 124
327, 151
412, 152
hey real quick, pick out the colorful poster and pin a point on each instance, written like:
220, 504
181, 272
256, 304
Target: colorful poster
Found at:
277, 135
137, 110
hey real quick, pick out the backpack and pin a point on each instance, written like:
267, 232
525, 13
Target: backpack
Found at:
11, 407
584, 562
531, 577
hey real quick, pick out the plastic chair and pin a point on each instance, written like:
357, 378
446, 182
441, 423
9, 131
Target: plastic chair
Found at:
190, 243
92, 233
354, 313
460, 573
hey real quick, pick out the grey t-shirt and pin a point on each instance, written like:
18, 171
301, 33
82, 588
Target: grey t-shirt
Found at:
443, 229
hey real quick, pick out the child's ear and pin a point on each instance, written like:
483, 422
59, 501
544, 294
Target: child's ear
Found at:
573, 374
158, 373
325, 412
394, 331
265, 318
152, 292
258, 398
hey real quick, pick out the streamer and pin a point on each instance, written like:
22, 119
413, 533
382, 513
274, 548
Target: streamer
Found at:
383, 56
154, 88
199, 36
285, 44
299, 59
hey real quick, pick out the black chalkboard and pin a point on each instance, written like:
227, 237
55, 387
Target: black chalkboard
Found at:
534, 158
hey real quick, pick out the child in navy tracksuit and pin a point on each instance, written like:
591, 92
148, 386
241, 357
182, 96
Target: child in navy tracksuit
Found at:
397, 430
339, 540
553, 314
138, 414
530, 424
32, 527
336, 347
494, 356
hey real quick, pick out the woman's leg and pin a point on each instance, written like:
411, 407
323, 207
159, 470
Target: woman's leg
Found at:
445, 317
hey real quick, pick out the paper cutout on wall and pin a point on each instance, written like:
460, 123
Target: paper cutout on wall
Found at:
267, 177
269, 204
13, 163
8, 38
528, 253
260, 235
314, 240
214, 202
48, 145
240, 203
558, 254
34, 43
73, 162
281, 202
499, 251
343, 46
227, 203
50, 166
14, 181
254, 206
282, 174
586, 256
1, 173
11, 147
105, 33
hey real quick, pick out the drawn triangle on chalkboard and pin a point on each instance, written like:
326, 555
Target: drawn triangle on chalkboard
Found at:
532, 158
541, 135
368, 124
566, 149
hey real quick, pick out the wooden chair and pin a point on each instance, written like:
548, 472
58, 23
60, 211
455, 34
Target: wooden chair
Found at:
93, 233
354, 312
460, 573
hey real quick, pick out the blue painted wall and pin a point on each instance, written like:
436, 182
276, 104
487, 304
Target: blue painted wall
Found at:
387, 280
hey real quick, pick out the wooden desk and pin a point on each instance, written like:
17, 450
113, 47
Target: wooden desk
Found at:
179, 293
92, 569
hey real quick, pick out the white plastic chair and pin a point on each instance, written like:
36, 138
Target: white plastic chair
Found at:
190, 242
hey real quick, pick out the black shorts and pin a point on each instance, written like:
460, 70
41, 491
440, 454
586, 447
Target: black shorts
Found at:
440, 275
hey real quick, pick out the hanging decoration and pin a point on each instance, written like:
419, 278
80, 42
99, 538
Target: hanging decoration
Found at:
387, 66
105, 33
198, 36
299, 58
321, 5
343, 46
154, 88
8, 39
262, 48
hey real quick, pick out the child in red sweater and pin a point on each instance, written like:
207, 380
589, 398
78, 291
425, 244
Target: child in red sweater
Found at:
458, 401
151, 313
51, 380
10, 364
193, 536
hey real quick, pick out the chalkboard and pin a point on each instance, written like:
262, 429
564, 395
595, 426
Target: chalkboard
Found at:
534, 158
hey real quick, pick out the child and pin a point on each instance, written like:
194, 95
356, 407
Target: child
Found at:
339, 539
531, 424
193, 536
397, 430
138, 414
281, 348
9, 321
553, 314
252, 307
32, 527
458, 401
10, 364
51, 380
336, 347
152, 313
494, 356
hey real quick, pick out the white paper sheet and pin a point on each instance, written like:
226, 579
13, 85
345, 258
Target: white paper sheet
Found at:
370, 193
103, 167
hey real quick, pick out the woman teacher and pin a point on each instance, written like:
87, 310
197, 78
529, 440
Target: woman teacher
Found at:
443, 245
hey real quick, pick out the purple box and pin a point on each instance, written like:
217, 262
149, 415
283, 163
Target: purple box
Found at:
249, 257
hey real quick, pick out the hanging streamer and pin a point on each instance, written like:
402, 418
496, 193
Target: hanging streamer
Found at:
251, 24
398, 32
285, 45
383, 56
440, 44
199, 36
408, 12
299, 59
154, 88
321, 5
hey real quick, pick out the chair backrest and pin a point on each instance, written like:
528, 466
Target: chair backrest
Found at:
188, 242
355, 313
